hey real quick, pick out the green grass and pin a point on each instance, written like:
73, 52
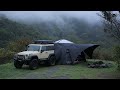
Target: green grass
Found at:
78, 71
8, 71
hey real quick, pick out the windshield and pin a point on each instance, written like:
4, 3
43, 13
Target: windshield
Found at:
33, 48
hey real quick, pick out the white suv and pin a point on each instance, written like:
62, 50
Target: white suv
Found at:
34, 55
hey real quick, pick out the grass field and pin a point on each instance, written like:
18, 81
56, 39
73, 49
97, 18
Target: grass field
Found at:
78, 71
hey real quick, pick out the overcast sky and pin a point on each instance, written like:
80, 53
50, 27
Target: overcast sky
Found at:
90, 16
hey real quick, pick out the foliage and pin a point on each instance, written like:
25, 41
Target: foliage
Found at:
18, 45
117, 55
111, 23
5, 56
104, 54
112, 27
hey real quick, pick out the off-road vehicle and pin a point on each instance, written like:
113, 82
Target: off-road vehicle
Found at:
41, 51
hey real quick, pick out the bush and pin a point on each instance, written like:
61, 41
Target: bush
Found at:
117, 56
108, 54
5, 56
103, 54
18, 45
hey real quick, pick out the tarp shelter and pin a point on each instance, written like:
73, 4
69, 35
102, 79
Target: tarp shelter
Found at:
67, 53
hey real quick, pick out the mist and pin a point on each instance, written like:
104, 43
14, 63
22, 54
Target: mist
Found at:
38, 16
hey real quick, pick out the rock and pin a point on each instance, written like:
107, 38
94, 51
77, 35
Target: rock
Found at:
103, 65
99, 64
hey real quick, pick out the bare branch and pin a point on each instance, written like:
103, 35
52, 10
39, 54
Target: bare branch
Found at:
111, 23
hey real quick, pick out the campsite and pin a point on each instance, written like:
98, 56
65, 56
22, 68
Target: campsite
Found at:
60, 45
64, 68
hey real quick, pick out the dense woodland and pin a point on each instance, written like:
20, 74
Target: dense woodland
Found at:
15, 35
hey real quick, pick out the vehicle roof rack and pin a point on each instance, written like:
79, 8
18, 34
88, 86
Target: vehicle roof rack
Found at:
43, 42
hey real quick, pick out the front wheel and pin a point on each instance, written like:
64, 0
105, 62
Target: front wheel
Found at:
33, 64
18, 64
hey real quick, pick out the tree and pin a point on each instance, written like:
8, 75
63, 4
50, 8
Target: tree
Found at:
18, 45
112, 27
111, 21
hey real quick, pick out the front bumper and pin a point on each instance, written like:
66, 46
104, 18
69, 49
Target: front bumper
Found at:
25, 61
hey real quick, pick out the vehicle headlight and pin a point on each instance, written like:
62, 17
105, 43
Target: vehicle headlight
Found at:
26, 56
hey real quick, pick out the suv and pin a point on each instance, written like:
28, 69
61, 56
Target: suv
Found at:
34, 55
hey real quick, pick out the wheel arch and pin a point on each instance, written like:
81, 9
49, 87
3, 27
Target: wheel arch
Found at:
50, 56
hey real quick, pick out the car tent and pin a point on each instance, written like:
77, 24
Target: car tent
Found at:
68, 52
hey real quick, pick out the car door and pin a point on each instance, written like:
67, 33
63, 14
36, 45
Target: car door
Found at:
44, 53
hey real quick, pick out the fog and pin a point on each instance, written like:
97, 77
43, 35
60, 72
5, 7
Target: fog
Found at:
37, 16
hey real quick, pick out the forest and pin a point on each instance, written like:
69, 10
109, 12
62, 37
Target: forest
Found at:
15, 35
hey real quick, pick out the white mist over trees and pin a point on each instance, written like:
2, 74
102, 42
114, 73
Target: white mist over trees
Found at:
37, 16
67, 25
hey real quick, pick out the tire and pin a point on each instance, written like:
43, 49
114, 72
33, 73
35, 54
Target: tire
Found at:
52, 61
18, 64
33, 64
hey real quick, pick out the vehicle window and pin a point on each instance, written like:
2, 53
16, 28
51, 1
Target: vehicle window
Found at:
49, 48
43, 48
33, 48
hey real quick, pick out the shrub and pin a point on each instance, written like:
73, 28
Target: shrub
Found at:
5, 56
117, 56
103, 54
18, 45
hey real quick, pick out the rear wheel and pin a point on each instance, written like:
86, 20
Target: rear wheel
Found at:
33, 64
18, 64
52, 61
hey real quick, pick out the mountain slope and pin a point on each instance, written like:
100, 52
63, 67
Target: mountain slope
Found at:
73, 29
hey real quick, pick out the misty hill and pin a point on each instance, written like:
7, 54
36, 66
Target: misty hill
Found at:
74, 29
11, 30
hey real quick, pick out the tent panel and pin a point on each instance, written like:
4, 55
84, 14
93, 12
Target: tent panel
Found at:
68, 52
